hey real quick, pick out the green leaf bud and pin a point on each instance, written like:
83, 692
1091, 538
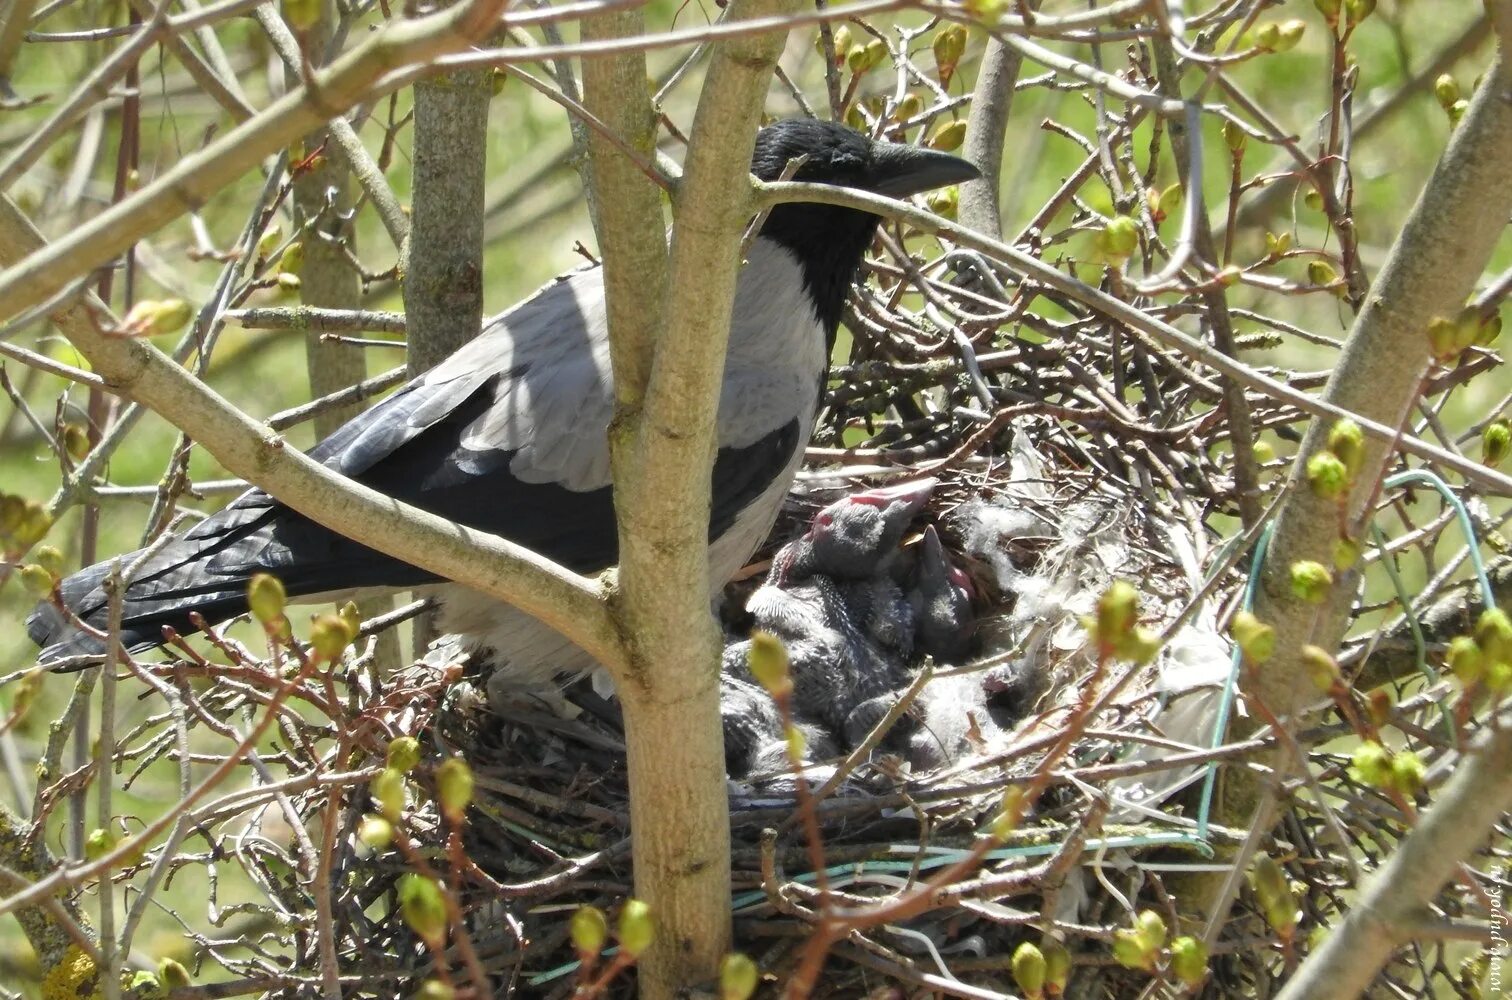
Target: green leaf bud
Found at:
1322, 273
329, 636
376, 832
75, 441
402, 754
1407, 772
37, 581
1057, 966
908, 107
1189, 960
1321, 668
172, 975
768, 660
1327, 476
1347, 441
99, 843
1278, 244
1289, 35
50, 559
1256, 640
797, 744
1130, 952
1493, 633
1234, 136
589, 929
1490, 328
1465, 660
1152, 929
738, 977
1029, 970
1496, 440
1119, 238
34, 524
292, 261
944, 202
949, 46
1267, 37
387, 790
1328, 8
454, 788
635, 930
1117, 610
268, 241
1346, 554
153, 318
266, 598
423, 907
948, 136
1370, 764
1313, 199
1447, 90
1310, 581
1356, 11
1457, 112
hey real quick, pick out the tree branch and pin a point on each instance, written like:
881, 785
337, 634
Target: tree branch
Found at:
567, 602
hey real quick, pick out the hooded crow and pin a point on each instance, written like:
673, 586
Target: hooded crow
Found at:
508, 435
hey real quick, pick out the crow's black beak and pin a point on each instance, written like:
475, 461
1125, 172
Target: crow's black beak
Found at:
899, 171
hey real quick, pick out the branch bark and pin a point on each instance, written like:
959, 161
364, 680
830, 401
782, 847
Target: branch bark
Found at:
674, 743
1382, 918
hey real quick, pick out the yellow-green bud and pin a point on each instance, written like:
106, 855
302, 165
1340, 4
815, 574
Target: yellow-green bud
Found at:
1327, 476
1130, 952
1358, 10
870, 56
1234, 136
1457, 112
1493, 633
842, 39
376, 832
402, 754
423, 908
589, 929
1277, 244
1166, 202
1289, 35
1321, 273
1466, 661
738, 977
949, 45
797, 744
1140, 646
99, 843
352, 615
293, 257
1310, 581
635, 930
1370, 764
1499, 678
1313, 199
454, 788
1057, 966
37, 581
1268, 879
266, 598
768, 659
387, 790
152, 318
1347, 441
1443, 339
944, 202
987, 12
172, 975
268, 241
910, 105
1029, 970
1256, 640
1346, 554
1263, 452
1117, 611
50, 559
1328, 8
948, 136
1152, 929
1407, 772
435, 989
1496, 440
12, 513
1267, 36
1008, 816
1119, 238
1189, 960
1446, 88
75, 441
329, 636
1321, 668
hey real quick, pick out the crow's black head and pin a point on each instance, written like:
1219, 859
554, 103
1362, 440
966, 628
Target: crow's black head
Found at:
828, 240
